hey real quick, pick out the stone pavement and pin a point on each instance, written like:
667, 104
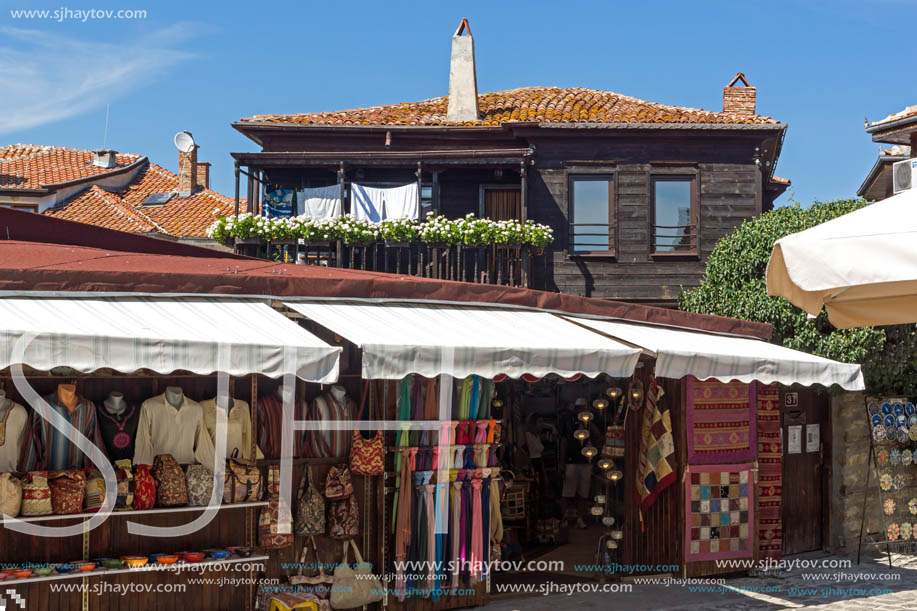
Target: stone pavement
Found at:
818, 589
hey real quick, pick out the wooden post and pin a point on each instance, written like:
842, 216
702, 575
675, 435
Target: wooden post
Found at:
237, 188
523, 190
251, 192
419, 174
251, 524
339, 253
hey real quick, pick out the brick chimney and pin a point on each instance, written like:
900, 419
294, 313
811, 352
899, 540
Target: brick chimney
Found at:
739, 99
202, 181
463, 80
187, 172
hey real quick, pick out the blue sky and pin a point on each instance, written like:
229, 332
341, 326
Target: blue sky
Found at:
819, 66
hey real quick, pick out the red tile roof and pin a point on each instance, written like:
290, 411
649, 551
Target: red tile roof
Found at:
910, 111
30, 166
529, 104
124, 210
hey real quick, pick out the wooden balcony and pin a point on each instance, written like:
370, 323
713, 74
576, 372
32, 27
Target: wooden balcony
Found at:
503, 265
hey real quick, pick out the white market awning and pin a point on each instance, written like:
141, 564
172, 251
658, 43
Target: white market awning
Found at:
462, 340
162, 334
703, 355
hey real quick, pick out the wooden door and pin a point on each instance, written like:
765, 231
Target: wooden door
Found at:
502, 204
806, 438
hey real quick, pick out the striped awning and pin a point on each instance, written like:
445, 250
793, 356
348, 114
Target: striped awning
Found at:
703, 355
162, 335
398, 339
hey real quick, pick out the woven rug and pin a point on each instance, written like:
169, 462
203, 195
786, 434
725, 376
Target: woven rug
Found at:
770, 473
656, 464
720, 421
719, 512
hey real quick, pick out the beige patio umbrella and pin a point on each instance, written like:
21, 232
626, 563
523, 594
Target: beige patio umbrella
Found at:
860, 267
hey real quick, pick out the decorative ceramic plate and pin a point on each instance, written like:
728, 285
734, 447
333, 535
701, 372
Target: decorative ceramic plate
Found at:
889, 506
891, 433
898, 409
899, 481
901, 420
894, 457
889, 421
913, 433
909, 409
875, 420
903, 434
878, 433
912, 505
873, 407
907, 458
912, 420
886, 408
882, 456
892, 531
906, 530
885, 482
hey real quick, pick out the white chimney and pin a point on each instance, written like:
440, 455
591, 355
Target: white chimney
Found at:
104, 158
463, 81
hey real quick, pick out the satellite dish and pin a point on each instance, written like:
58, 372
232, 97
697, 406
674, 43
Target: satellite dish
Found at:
184, 142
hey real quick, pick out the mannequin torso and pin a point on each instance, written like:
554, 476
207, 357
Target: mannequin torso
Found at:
175, 396
66, 396
115, 404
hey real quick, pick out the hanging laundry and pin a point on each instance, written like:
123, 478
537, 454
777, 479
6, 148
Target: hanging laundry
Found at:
375, 204
278, 202
320, 203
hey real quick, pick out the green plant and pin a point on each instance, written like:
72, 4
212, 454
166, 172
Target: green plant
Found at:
537, 235
399, 230
508, 232
735, 286
475, 231
440, 230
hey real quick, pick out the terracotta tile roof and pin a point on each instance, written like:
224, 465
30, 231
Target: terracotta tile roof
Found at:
122, 210
30, 166
780, 180
910, 111
529, 104
98, 207
900, 150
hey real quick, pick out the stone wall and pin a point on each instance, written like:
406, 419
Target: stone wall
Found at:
850, 452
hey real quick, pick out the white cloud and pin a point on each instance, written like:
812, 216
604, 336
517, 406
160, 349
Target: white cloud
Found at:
46, 78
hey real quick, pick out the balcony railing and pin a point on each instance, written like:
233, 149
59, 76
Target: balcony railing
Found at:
504, 265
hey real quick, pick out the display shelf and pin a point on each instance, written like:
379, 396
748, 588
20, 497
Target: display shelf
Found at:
144, 570
140, 512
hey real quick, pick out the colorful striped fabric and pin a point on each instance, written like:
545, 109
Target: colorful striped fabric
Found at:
770, 473
720, 421
37, 452
270, 426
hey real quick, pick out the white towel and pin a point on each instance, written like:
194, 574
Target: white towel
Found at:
366, 202
320, 203
376, 204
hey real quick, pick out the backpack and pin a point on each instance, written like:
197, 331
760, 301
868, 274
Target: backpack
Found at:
269, 536
243, 481
171, 489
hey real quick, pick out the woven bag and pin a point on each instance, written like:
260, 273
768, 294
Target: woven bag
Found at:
367, 456
310, 507
171, 489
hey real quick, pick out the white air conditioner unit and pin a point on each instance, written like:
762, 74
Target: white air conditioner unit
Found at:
904, 175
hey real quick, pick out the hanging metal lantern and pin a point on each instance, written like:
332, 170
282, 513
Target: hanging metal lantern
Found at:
613, 392
581, 434
605, 464
589, 451
600, 403
611, 544
617, 535
596, 510
614, 475
635, 395
585, 416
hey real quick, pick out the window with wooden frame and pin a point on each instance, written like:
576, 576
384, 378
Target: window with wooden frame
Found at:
675, 218
592, 215
26, 207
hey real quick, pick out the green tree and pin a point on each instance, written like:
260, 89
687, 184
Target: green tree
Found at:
735, 286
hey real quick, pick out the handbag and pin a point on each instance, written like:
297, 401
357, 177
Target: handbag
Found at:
367, 456
243, 482
344, 518
10, 495
350, 590
36, 495
318, 584
125, 500
338, 483
95, 490
310, 508
68, 487
199, 480
171, 489
269, 535
144, 487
